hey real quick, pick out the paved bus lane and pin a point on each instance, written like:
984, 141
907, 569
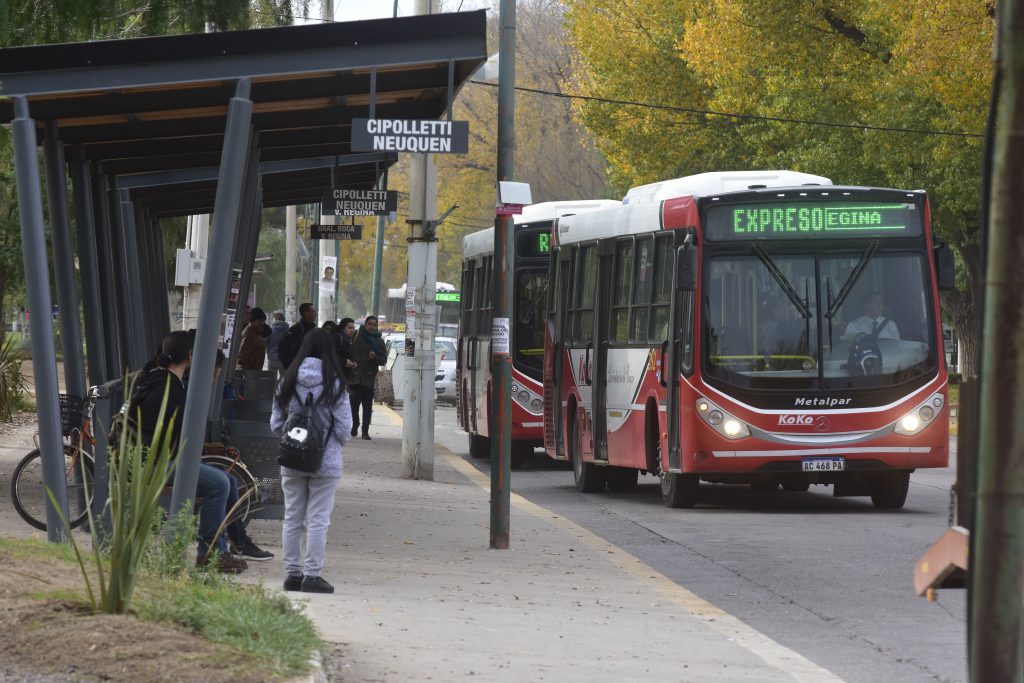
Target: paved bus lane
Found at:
830, 578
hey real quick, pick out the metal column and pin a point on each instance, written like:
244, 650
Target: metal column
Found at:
107, 276
63, 262
81, 185
120, 298
218, 273
140, 347
37, 282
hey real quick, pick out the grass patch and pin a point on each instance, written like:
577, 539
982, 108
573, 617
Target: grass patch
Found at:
241, 616
266, 632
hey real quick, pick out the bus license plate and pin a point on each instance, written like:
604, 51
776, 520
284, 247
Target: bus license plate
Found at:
823, 464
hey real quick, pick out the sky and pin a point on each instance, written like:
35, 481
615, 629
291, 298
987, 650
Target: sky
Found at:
356, 10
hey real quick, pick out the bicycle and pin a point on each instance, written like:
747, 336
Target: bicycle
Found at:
28, 492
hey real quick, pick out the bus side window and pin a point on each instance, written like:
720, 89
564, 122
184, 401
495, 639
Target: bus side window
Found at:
643, 281
622, 286
662, 288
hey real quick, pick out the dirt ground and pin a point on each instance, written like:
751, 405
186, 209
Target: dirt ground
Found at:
41, 634
46, 635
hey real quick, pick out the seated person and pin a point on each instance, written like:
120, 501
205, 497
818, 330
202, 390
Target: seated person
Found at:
868, 323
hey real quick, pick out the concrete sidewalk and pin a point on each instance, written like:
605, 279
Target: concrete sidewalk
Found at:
420, 596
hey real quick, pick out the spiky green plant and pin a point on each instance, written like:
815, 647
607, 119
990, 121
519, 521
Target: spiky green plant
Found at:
137, 479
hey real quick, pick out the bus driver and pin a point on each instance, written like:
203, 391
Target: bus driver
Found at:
873, 316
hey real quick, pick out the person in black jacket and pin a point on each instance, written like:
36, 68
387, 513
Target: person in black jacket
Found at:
165, 375
343, 339
292, 339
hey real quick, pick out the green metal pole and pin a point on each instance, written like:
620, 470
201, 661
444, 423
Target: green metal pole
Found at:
501, 360
378, 258
997, 573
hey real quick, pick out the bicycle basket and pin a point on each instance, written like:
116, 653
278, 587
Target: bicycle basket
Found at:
70, 413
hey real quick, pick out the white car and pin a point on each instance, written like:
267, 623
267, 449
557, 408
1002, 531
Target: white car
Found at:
444, 381
444, 362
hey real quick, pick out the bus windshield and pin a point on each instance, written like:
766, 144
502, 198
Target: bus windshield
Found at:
776, 321
531, 305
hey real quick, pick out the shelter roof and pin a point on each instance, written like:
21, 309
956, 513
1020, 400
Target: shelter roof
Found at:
159, 105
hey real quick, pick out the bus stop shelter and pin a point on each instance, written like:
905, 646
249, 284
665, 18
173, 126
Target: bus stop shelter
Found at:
220, 123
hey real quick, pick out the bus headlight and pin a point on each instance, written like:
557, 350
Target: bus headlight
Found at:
920, 417
723, 423
909, 424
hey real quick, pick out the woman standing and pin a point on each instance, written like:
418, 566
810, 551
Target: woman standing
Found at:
368, 351
309, 496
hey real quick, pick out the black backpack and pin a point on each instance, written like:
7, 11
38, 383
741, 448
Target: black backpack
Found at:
865, 357
303, 438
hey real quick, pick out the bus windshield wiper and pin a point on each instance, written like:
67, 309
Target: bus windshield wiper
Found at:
852, 279
783, 282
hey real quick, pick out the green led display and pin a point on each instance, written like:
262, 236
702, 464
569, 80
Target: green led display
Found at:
791, 220
533, 242
447, 296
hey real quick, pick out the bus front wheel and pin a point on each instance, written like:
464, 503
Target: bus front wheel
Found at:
889, 490
679, 490
589, 478
479, 446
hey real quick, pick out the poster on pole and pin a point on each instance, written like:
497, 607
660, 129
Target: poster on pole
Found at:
499, 337
328, 267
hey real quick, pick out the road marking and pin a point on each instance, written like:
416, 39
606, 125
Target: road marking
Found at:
394, 418
755, 642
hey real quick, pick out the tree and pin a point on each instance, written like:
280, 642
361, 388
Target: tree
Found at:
876, 64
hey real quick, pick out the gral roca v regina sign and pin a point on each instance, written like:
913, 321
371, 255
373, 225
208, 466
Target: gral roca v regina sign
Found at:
410, 135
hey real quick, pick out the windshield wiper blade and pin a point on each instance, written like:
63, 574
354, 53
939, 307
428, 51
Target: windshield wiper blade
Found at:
783, 282
852, 280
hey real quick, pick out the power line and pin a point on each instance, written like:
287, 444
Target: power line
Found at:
750, 117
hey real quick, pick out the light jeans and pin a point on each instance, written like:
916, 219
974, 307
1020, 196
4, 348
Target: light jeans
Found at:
308, 502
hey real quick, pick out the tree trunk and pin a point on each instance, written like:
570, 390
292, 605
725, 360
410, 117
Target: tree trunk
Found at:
964, 310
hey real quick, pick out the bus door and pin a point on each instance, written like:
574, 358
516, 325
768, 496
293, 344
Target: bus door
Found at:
602, 336
554, 418
579, 341
680, 342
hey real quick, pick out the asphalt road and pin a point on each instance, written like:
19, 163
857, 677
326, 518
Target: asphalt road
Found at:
828, 577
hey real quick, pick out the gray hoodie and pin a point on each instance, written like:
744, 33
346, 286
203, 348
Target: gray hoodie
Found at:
311, 380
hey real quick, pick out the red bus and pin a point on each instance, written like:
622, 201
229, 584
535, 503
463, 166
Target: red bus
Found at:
763, 328
531, 263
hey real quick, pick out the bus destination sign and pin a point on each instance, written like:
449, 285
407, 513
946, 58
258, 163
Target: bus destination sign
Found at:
792, 220
446, 296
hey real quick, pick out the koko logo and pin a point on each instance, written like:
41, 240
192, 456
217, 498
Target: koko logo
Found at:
796, 420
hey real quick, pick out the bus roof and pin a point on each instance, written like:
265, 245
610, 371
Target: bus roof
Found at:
482, 242
718, 182
640, 210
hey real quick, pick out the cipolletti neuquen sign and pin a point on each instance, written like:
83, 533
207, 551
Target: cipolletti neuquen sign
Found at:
405, 135
345, 202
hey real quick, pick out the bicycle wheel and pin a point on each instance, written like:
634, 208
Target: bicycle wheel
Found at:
28, 493
248, 488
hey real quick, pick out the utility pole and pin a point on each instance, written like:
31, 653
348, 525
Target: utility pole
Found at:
326, 299
501, 289
290, 235
997, 556
418, 401
378, 257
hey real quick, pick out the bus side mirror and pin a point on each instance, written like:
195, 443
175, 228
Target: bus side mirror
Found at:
945, 268
686, 268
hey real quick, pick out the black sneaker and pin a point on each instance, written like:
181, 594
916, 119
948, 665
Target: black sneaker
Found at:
355, 430
253, 552
366, 436
316, 584
293, 582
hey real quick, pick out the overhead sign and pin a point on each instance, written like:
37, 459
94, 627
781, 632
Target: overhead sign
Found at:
796, 220
340, 202
410, 135
336, 232
447, 296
